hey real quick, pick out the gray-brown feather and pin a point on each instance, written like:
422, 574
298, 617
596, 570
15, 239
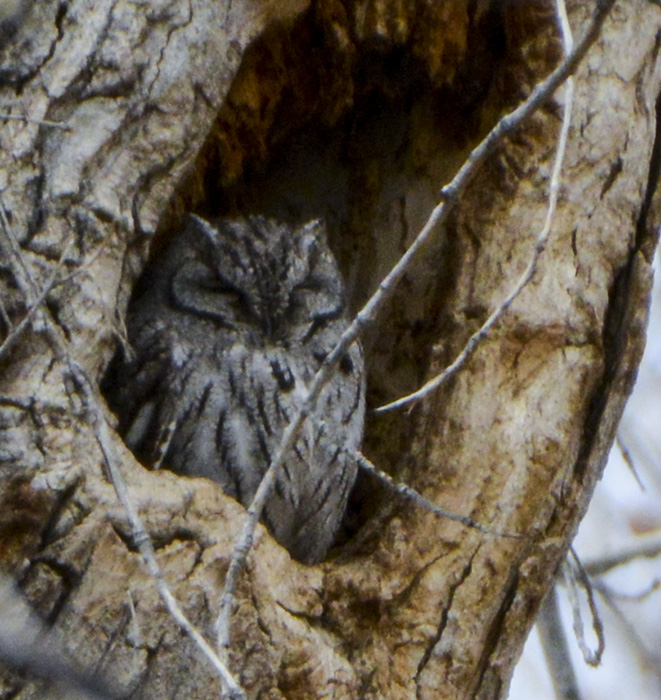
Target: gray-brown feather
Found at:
236, 321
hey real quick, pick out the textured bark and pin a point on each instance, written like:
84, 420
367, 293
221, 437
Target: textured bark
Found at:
357, 112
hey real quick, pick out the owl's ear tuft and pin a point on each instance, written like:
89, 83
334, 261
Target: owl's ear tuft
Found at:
202, 230
316, 226
311, 237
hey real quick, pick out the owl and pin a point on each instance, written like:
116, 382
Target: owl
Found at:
233, 324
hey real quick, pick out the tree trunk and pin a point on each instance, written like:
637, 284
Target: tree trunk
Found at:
357, 113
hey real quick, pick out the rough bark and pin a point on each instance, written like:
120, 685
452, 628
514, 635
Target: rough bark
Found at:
357, 112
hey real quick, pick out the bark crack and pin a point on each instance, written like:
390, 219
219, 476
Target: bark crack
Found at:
161, 56
20, 81
463, 575
616, 326
86, 70
495, 631
609, 181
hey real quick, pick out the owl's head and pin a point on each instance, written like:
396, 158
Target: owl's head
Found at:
257, 273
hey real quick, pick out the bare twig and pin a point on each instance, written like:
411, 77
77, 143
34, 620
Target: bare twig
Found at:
628, 458
450, 194
141, 537
542, 239
648, 547
549, 623
21, 272
411, 494
556, 649
648, 658
97, 421
609, 592
574, 573
27, 647
35, 304
29, 120
28, 288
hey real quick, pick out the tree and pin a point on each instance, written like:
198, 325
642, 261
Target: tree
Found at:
120, 118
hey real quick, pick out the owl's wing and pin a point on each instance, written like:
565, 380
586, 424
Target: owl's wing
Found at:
147, 392
311, 491
307, 525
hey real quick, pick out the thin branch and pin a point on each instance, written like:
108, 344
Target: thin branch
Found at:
628, 458
450, 194
140, 536
28, 648
607, 591
556, 650
476, 339
35, 304
28, 288
30, 120
20, 269
97, 421
35, 307
651, 660
648, 547
575, 574
411, 494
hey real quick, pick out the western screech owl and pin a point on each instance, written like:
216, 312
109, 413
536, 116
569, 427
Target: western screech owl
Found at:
235, 322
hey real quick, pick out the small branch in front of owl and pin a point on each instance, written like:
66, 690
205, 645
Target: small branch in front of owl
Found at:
452, 192
412, 495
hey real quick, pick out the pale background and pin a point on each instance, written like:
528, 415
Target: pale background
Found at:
621, 516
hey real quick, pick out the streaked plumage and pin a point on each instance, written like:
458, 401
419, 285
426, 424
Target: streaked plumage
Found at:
235, 321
